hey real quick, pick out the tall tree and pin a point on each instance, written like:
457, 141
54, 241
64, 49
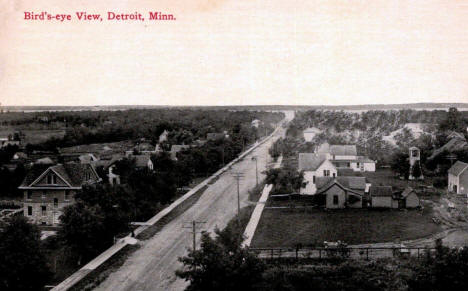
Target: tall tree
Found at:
22, 264
221, 264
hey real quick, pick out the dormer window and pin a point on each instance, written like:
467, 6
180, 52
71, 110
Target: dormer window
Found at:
51, 179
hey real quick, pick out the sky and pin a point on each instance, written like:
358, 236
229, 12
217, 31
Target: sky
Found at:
236, 52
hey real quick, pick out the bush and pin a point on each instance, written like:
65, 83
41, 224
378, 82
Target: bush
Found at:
440, 182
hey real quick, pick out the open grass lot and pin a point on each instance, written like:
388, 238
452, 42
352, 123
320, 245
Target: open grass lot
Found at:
33, 136
289, 227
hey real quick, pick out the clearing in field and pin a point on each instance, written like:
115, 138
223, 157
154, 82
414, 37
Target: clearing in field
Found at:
290, 227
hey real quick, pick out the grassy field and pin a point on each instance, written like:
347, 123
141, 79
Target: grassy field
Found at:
35, 136
289, 227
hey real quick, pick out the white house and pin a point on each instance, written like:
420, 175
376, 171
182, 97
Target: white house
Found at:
315, 165
114, 179
310, 132
256, 123
345, 156
458, 178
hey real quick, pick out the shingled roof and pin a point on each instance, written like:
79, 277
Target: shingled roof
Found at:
458, 168
73, 174
343, 150
357, 184
381, 191
310, 161
141, 161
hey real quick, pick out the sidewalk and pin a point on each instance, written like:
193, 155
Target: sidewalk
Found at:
257, 213
121, 243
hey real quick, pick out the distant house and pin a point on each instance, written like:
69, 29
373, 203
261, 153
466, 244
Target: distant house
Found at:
256, 123
5, 141
458, 178
216, 135
385, 197
456, 143
175, 148
341, 192
49, 188
87, 158
108, 163
163, 136
455, 134
310, 133
114, 179
44, 161
345, 156
382, 197
20, 156
408, 198
314, 165
143, 161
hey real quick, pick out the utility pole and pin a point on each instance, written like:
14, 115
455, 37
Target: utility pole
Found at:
193, 226
238, 176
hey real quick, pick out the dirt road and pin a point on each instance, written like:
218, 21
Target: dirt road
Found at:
152, 267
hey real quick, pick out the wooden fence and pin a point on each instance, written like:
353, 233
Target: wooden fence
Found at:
366, 253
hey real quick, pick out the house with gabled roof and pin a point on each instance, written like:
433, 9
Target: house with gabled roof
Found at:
458, 178
386, 197
382, 197
310, 133
341, 192
345, 156
314, 166
175, 148
49, 188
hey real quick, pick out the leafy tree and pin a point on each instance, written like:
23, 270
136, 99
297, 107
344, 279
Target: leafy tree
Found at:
400, 164
22, 264
221, 264
84, 230
285, 180
446, 271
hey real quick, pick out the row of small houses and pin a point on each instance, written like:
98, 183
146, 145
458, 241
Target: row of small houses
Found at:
331, 177
356, 192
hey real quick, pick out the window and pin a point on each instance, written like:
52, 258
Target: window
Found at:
414, 153
51, 179
334, 175
335, 199
29, 210
29, 195
67, 195
56, 202
348, 165
326, 173
44, 210
313, 179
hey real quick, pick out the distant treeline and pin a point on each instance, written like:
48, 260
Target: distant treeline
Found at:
86, 127
427, 105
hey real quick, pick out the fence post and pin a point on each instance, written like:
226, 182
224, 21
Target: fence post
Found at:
418, 253
367, 254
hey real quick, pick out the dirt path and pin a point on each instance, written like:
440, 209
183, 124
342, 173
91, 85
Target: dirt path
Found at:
152, 267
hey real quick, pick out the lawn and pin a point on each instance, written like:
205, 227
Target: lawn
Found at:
33, 136
289, 227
